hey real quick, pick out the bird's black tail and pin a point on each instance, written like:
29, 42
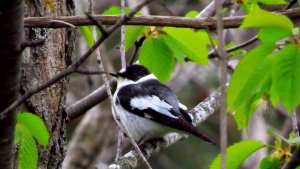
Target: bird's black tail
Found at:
191, 129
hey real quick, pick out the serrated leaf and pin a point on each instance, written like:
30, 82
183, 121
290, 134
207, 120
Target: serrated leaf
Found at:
87, 34
261, 18
27, 154
193, 44
273, 2
131, 35
157, 57
285, 77
237, 154
272, 34
249, 81
35, 125
269, 163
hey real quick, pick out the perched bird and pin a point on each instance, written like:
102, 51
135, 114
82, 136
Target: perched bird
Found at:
149, 108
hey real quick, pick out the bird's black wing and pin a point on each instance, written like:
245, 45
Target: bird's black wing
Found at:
155, 101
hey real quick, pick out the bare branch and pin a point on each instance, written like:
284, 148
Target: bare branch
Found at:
97, 23
88, 72
209, 10
199, 113
229, 22
223, 80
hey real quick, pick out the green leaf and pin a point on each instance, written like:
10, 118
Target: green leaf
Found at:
131, 35
285, 77
269, 163
157, 57
175, 47
237, 154
27, 154
87, 34
191, 14
248, 82
116, 10
298, 167
272, 34
193, 44
35, 125
260, 18
273, 2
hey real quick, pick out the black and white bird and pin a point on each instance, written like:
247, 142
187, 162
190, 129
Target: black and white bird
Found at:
148, 108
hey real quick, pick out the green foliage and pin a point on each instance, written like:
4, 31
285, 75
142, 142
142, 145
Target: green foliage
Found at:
35, 125
29, 126
157, 57
269, 163
116, 10
273, 34
286, 79
273, 2
193, 44
87, 34
131, 35
260, 18
265, 73
237, 153
27, 155
191, 14
249, 82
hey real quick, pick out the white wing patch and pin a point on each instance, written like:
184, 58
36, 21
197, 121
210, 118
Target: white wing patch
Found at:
154, 103
182, 106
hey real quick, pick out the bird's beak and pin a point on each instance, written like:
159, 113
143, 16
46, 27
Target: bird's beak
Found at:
114, 74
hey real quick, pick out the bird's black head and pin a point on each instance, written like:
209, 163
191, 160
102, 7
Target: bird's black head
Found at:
133, 72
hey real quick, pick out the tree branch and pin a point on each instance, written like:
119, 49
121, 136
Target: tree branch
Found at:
229, 22
76, 64
199, 113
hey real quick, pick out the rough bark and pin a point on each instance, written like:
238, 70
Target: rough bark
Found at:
39, 64
11, 33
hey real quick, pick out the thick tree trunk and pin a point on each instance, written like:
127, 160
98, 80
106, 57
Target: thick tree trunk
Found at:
11, 37
41, 63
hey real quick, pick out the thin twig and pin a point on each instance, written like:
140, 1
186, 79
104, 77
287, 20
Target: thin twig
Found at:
122, 47
88, 72
223, 81
138, 44
97, 23
290, 4
63, 22
75, 64
119, 146
295, 123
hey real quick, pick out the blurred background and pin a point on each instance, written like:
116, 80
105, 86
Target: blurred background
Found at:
92, 138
